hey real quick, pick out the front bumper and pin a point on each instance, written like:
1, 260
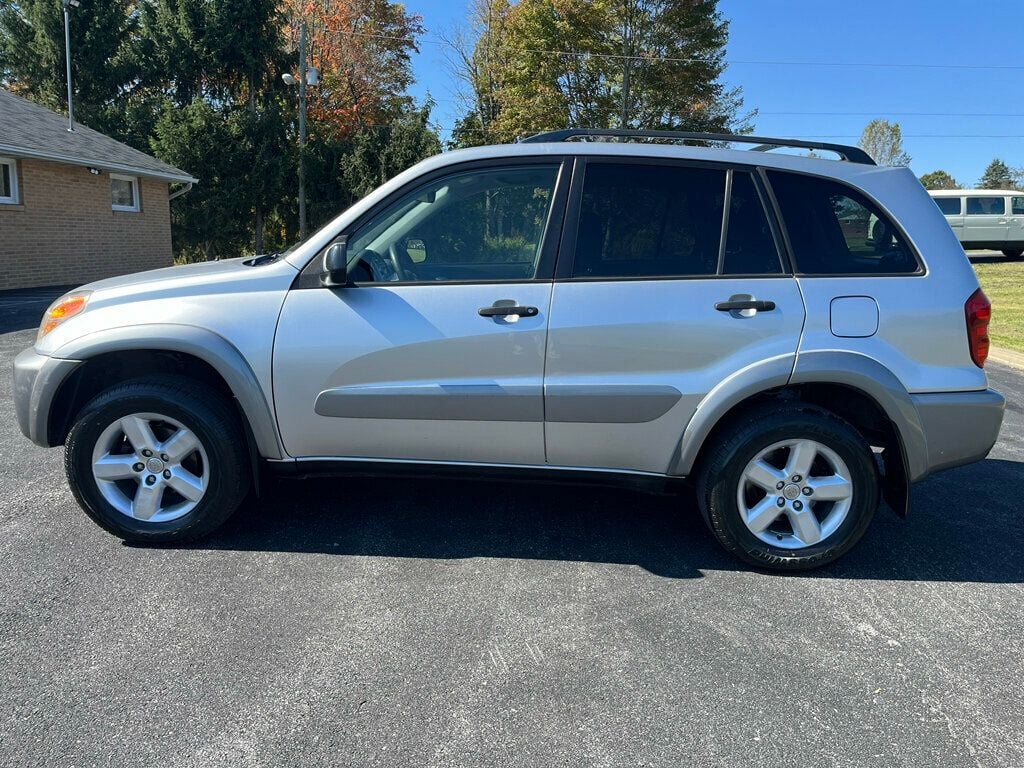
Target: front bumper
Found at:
959, 427
37, 378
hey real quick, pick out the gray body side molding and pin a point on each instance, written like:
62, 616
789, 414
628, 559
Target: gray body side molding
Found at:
881, 385
759, 377
208, 346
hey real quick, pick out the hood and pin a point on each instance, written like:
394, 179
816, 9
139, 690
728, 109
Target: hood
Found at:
202, 271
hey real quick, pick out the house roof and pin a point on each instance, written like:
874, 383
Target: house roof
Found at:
29, 130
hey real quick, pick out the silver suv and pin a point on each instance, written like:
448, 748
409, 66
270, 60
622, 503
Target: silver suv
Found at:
799, 336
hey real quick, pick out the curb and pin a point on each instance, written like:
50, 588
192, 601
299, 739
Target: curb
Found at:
1007, 357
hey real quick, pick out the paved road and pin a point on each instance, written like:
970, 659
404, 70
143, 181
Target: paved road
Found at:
423, 623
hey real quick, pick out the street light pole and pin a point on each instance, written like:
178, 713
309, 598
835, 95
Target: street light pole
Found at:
302, 131
68, 4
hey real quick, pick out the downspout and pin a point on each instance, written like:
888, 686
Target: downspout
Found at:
180, 192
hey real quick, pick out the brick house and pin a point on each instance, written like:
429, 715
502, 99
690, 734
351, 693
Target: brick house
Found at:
77, 206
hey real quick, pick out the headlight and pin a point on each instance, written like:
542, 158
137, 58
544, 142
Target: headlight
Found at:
63, 309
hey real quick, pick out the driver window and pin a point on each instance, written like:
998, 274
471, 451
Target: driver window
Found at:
486, 224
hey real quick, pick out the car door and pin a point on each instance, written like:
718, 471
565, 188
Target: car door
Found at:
653, 308
953, 209
435, 351
986, 224
1015, 235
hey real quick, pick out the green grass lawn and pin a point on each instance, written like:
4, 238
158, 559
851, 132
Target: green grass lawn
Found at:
1003, 282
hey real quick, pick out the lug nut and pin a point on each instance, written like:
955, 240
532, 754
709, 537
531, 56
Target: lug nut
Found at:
150, 479
781, 501
146, 452
797, 478
163, 457
780, 485
808, 491
139, 467
798, 505
167, 474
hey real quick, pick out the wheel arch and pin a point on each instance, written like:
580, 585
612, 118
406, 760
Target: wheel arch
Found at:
851, 385
111, 355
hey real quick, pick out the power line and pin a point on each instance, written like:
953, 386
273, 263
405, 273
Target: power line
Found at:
694, 60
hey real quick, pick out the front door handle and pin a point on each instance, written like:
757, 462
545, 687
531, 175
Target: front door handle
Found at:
734, 305
504, 310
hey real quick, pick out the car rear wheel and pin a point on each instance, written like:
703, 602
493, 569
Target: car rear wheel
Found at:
1013, 253
150, 461
789, 488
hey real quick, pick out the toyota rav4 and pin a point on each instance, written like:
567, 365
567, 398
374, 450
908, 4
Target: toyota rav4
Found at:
801, 337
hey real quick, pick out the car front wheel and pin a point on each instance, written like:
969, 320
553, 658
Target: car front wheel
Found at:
152, 462
789, 488
1013, 253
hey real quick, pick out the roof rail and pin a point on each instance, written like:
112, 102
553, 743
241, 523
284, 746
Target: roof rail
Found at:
847, 153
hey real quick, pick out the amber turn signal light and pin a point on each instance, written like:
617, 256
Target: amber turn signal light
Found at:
63, 309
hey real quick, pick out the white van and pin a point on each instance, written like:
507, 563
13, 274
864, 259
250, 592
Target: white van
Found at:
989, 219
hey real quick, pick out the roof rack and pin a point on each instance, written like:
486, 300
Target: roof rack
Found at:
847, 153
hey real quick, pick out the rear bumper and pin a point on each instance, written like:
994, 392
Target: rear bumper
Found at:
959, 427
36, 381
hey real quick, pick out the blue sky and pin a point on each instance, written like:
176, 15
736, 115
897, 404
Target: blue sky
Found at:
899, 32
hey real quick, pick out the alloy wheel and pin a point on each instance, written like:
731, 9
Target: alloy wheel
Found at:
150, 467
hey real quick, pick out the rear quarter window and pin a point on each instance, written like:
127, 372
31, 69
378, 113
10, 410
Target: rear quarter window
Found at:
1017, 206
835, 230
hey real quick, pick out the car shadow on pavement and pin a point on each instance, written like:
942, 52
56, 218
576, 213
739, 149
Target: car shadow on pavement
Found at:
965, 526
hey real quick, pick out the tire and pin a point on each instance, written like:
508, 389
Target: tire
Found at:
1013, 253
214, 476
780, 431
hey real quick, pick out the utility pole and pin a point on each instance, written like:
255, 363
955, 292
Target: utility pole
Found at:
302, 131
68, 5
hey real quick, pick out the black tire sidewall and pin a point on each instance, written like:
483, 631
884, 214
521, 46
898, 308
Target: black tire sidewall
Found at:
722, 511
219, 440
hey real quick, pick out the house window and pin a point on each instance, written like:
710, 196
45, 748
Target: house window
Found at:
8, 181
124, 192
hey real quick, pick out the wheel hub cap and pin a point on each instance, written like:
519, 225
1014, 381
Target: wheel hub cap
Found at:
791, 491
155, 466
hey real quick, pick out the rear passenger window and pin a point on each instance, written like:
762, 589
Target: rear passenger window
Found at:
835, 230
649, 221
986, 206
749, 247
950, 206
1018, 206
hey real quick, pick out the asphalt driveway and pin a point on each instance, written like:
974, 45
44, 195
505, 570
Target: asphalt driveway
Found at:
422, 623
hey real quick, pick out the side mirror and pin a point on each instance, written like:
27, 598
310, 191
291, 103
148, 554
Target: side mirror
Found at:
335, 267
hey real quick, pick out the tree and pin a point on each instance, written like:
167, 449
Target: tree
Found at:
884, 142
651, 64
471, 63
32, 61
998, 176
363, 49
939, 180
378, 155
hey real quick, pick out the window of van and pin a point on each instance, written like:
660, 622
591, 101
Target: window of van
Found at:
986, 206
950, 206
1017, 206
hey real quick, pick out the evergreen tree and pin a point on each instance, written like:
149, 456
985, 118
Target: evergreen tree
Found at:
32, 60
998, 176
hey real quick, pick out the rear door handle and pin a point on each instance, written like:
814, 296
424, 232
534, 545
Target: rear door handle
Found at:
505, 310
734, 306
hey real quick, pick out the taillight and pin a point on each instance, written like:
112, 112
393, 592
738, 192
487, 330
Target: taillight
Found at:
978, 310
